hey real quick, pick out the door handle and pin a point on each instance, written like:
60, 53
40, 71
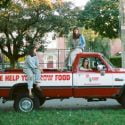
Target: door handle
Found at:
119, 79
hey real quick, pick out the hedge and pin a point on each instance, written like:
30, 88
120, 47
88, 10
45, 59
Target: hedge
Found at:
116, 61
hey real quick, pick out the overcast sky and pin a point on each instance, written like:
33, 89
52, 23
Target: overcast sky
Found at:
79, 3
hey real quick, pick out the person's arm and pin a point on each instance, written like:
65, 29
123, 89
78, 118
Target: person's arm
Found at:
82, 42
30, 63
37, 61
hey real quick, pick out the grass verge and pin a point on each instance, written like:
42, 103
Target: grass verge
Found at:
64, 117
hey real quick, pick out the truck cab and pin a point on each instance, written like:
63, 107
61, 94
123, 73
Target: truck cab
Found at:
100, 80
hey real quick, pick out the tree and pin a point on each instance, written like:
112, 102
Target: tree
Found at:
102, 17
24, 23
101, 45
4, 3
66, 18
96, 43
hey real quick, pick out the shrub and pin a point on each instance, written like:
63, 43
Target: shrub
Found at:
116, 61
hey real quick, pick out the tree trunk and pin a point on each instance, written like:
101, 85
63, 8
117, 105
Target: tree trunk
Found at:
13, 62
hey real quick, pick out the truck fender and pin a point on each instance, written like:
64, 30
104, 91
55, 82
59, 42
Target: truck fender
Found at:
23, 88
122, 91
18, 88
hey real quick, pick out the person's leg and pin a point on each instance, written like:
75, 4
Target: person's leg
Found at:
30, 92
67, 60
30, 79
69, 65
73, 55
71, 58
37, 74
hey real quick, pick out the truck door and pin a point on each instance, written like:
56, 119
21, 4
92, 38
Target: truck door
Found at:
88, 81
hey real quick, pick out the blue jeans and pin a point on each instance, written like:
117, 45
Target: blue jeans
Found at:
33, 75
72, 56
37, 74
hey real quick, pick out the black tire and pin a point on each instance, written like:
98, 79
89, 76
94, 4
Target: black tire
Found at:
42, 100
119, 100
24, 103
122, 100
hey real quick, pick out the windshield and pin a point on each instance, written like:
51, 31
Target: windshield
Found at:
107, 60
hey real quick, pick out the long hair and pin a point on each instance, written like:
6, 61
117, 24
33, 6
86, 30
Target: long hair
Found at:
84, 62
76, 36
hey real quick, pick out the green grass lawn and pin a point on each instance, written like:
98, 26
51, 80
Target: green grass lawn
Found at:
64, 117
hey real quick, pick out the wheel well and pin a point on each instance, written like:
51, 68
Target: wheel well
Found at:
18, 88
122, 91
23, 88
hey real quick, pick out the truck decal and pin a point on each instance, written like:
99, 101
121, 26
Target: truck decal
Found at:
49, 79
55, 77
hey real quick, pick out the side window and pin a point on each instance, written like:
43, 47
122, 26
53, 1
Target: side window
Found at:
84, 64
90, 63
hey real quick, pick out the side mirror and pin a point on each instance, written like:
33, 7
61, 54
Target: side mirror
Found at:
101, 68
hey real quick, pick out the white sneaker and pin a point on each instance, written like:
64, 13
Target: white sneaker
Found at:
37, 81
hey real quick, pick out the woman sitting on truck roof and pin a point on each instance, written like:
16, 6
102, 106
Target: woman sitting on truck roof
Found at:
31, 69
78, 45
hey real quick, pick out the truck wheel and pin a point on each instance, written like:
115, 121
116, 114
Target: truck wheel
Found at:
122, 101
42, 100
24, 103
119, 100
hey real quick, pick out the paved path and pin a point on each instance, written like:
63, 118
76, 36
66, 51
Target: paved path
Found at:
68, 104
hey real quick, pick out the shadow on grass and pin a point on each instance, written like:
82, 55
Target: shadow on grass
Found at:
116, 107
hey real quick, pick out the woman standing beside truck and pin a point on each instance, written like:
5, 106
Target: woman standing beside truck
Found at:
78, 45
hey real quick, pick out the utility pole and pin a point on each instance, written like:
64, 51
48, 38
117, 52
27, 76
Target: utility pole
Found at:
122, 24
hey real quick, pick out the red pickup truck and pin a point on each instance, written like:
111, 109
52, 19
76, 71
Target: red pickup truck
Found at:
97, 83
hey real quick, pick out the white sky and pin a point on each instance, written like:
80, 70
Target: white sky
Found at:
79, 3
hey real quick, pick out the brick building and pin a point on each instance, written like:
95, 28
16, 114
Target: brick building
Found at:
115, 47
55, 54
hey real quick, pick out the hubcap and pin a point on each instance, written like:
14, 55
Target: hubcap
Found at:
26, 104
